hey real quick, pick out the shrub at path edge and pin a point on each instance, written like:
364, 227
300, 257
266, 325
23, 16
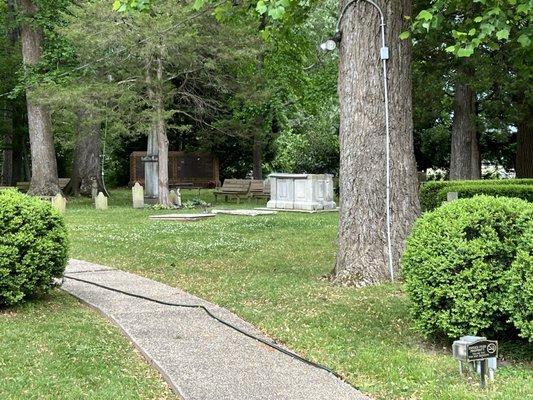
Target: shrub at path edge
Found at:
465, 265
33, 246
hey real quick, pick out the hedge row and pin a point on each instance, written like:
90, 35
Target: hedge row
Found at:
468, 268
433, 193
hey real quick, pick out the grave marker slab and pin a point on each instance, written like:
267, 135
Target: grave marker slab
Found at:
181, 217
100, 202
175, 197
59, 203
246, 213
451, 196
137, 194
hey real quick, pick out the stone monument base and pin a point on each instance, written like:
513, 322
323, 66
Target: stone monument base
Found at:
308, 192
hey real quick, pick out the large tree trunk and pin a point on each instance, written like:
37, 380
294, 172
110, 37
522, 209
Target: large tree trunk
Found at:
7, 152
86, 166
524, 144
362, 257
465, 162
162, 139
258, 157
44, 179
9, 174
156, 174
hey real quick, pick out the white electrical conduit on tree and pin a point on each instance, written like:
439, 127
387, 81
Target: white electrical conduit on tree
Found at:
384, 54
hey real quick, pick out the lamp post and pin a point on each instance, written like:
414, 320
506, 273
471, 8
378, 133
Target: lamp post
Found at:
331, 45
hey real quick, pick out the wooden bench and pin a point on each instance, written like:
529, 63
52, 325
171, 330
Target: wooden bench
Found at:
234, 189
25, 186
260, 189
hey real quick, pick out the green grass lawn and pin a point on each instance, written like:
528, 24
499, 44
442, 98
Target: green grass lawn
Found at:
55, 348
272, 271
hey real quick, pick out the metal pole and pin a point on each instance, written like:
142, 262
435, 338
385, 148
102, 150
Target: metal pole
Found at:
384, 54
483, 370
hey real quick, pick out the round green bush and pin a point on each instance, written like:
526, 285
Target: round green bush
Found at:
33, 246
459, 263
520, 294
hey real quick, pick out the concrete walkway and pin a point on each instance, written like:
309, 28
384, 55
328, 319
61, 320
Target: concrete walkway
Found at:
200, 358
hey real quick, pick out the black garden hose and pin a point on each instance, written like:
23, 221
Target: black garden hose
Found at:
199, 306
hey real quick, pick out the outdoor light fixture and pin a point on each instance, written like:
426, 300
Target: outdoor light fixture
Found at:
331, 45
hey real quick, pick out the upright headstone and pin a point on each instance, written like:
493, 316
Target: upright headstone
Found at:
100, 202
59, 203
451, 196
172, 197
178, 197
137, 194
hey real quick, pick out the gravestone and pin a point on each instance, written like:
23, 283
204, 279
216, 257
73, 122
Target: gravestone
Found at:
137, 194
178, 199
100, 202
451, 196
174, 197
308, 192
245, 213
181, 217
59, 203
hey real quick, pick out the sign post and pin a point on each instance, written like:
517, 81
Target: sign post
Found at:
476, 350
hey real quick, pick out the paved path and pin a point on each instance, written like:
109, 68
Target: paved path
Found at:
200, 358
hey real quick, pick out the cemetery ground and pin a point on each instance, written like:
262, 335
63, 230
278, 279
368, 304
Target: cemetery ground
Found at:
270, 270
56, 348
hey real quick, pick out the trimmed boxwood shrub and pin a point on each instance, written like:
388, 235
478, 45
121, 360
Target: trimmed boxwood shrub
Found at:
432, 194
33, 246
459, 263
520, 294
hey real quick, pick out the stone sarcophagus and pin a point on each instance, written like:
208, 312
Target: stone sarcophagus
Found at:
301, 192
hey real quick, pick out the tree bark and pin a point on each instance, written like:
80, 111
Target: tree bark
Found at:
362, 257
524, 144
7, 152
157, 139
162, 139
86, 166
9, 175
258, 158
44, 179
465, 162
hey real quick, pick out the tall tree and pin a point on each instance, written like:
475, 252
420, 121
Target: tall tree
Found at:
524, 145
44, 178
465, 160
86, 162
485, 28
12, 138
363, 254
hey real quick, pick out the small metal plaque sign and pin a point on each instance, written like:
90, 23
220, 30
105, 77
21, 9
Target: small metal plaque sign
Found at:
152, 158
482, 350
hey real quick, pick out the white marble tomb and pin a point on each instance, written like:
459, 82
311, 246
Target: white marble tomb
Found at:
308, 192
